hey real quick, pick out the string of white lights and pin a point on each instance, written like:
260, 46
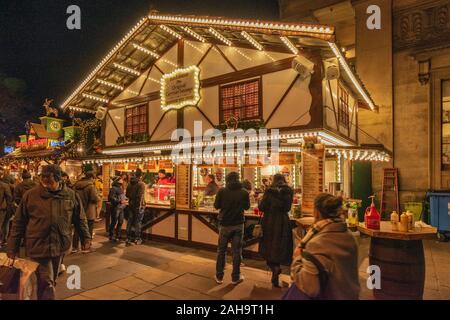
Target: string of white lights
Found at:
252, 40
220, 37
171, 31
194, 34
110, 84
127, 69
95, 98
290, 45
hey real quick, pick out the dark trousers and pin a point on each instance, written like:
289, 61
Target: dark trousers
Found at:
235, 234
134, 224
4, 226
276, 270
76, 237
47, 273
116, 222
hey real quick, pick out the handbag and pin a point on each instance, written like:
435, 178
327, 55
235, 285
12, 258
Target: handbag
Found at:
294, 293
9, 279
257, 231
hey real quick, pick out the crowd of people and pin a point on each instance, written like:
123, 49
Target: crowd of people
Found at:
51, 216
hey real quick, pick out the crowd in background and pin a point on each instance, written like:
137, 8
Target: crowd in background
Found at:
323, 265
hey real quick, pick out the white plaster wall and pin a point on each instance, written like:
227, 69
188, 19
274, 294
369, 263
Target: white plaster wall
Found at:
111, 134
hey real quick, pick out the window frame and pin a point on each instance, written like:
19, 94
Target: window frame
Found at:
260, 99
343, 114
139, 107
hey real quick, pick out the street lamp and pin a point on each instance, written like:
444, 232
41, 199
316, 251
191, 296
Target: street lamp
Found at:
424, 71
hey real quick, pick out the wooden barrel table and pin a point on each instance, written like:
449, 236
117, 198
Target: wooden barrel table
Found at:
400, 257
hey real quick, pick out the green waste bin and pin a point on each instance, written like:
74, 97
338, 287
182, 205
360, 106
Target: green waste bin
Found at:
415, 208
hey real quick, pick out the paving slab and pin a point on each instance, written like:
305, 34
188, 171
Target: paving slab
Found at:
100, 278
134, 284
156, 276
181, 293
109, 292
152, 296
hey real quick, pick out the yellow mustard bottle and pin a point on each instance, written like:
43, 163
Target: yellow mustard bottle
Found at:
394, 221
403, 226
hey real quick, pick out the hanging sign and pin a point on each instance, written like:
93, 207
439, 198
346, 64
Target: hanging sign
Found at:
180, 88
36, 144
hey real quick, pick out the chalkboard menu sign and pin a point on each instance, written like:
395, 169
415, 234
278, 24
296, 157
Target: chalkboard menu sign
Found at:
106, 170
313, 176
183, 186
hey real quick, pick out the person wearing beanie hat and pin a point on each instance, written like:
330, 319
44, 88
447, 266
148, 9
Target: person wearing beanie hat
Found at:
231, 202
24, 186
44, 219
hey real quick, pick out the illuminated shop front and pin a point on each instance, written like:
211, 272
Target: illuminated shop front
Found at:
172, 72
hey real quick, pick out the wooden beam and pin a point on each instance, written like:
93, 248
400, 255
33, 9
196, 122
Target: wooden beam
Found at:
243, 74
114, 123
332, 103
282, 99
226, 58
157, 125
206, 223
204, 56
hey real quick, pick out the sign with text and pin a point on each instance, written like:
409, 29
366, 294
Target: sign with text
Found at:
180, 88
313, 176
36, 144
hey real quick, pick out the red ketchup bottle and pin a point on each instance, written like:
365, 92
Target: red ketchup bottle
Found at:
372, 217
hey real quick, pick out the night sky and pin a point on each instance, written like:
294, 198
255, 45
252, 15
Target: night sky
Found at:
36, 46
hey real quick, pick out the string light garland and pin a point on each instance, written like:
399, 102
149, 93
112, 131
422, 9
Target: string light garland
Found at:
250, 39
147, 51
132, 92
171, 32
81, 109
195, 47
127, 69
95, 98
352, 77
248, 24
220, 37
194, 34
113, 51
290, 45
110, 84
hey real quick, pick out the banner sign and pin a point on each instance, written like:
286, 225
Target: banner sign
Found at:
180, 88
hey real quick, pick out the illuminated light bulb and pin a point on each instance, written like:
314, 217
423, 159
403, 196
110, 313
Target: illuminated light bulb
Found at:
154, 80
194, 34
110, 84
250, 39
127, 69
145, 50
171, 31
290, 45
195, 47
132, 92
95, 98
220, 37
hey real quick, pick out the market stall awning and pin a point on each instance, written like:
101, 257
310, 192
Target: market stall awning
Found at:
45, 154
155, 34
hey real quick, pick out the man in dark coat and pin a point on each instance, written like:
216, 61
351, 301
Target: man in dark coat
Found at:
85, 189
136, 205
43, 219
23, 187
118, 201
276, 245
232, 201
6, 200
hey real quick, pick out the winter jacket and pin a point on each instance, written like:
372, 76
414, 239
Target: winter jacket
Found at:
6, 197
85, 188
232, 201
136, 193
336, 249
23, 187
44, 218
115, 195
276, 244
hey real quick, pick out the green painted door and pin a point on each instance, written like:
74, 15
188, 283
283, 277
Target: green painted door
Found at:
362, 184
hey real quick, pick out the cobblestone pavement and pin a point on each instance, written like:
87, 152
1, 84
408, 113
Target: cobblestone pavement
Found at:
157, 270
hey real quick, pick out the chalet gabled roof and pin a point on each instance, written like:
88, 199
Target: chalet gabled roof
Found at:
148, 40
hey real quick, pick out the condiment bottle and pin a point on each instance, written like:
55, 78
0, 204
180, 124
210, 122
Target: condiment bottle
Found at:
411, 221
403, 226
372, 217
394, 221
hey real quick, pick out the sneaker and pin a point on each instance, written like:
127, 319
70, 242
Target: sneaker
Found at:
138, 242
129, 242
87, 250
62, 269
218, 280
74, 251
241, 279
116, 240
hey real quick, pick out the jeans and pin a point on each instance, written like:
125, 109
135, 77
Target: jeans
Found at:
76, 238
235, 234
116, 222
134, 224
47, 273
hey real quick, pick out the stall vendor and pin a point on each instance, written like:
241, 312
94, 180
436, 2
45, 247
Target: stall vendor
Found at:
162, 193
211, 188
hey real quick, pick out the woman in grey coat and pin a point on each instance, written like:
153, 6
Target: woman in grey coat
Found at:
325, 264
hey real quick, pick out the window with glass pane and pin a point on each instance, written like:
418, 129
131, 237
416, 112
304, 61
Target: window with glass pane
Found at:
446, 124
343, 113
136, 120
240, 100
